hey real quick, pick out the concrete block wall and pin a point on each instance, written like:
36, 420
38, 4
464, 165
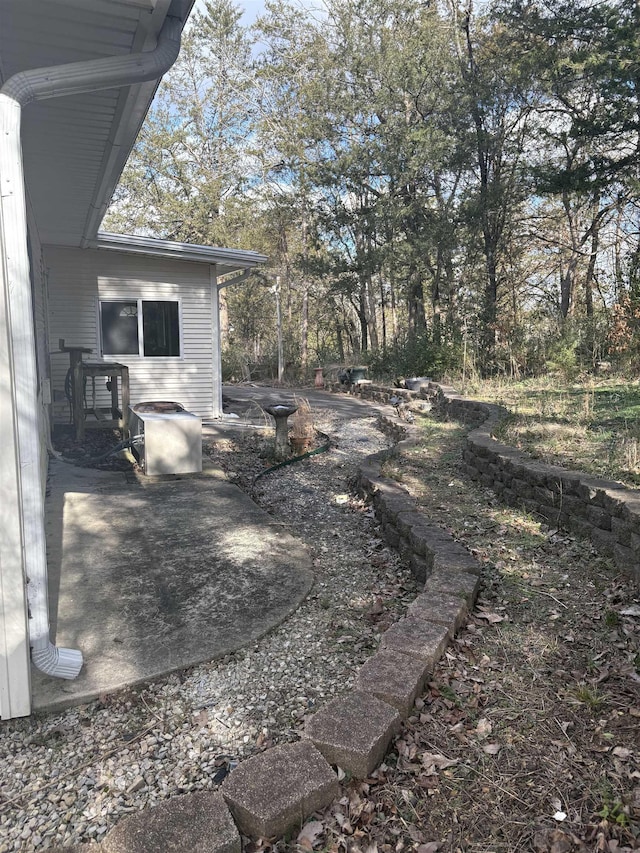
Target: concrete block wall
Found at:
604, 511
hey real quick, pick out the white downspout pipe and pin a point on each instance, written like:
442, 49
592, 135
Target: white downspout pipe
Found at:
216, 287
24, 87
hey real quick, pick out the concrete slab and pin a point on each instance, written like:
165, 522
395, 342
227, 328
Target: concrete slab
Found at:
248, 401
149, 579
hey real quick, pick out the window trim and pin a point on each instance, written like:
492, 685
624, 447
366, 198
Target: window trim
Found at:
140, 356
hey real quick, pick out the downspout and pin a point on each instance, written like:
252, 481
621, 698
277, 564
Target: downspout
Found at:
21, 89
216, 287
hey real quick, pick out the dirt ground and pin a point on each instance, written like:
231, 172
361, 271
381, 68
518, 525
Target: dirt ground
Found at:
527, 737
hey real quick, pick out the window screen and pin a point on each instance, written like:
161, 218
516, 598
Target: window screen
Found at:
157, 335
119, 328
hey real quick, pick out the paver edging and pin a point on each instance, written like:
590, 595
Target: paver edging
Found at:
604, 511
425, 548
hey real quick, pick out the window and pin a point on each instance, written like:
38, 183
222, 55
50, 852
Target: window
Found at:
143, 327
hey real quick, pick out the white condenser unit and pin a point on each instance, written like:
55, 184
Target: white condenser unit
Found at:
172, 438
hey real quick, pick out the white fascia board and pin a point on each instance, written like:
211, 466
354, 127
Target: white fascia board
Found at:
226, 260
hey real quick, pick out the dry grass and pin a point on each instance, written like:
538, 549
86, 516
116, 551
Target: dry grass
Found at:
594, 427
527, 737
302, 431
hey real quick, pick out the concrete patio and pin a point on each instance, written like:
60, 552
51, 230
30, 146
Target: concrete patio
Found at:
150, 577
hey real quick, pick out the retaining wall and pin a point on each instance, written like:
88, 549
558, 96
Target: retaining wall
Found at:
604, 511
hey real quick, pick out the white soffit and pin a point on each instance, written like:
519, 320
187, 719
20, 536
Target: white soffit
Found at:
75, 147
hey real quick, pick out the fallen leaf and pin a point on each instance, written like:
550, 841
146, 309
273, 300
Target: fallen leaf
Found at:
560, 842
492, 618
343, 823
377, 608
540, 842
202, 717
622, 752
434, 760
492, 748
633, 610
484, 727
430, 847
414, 833
309, 833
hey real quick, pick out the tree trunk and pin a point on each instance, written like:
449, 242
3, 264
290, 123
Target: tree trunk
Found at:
591, 269
224, 314
383, 312
435, 297
415, 303
371, 314
490, 310
568, 280
567, 286
304, 329
304, 320
362, 317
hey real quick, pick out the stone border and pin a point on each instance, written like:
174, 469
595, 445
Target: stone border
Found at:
604, 511
274, 792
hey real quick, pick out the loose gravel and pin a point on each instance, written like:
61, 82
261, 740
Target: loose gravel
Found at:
69, 777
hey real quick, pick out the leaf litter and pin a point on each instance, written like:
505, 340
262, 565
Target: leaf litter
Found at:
527, 735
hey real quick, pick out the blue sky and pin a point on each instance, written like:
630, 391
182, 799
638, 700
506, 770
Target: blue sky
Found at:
252, 8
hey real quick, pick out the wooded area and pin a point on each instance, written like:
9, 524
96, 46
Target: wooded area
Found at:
440, 187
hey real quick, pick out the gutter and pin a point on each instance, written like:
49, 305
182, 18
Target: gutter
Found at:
234, 259
21, 89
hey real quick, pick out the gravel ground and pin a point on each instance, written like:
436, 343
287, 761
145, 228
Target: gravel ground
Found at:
69, 777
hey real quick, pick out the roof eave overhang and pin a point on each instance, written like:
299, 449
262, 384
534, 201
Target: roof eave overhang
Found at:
133, 108
225, 260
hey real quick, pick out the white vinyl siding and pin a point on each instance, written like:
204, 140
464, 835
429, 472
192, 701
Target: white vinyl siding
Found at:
80, 278
40, 310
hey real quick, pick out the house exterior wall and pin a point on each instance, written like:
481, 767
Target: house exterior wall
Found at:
40, 311
79, 278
